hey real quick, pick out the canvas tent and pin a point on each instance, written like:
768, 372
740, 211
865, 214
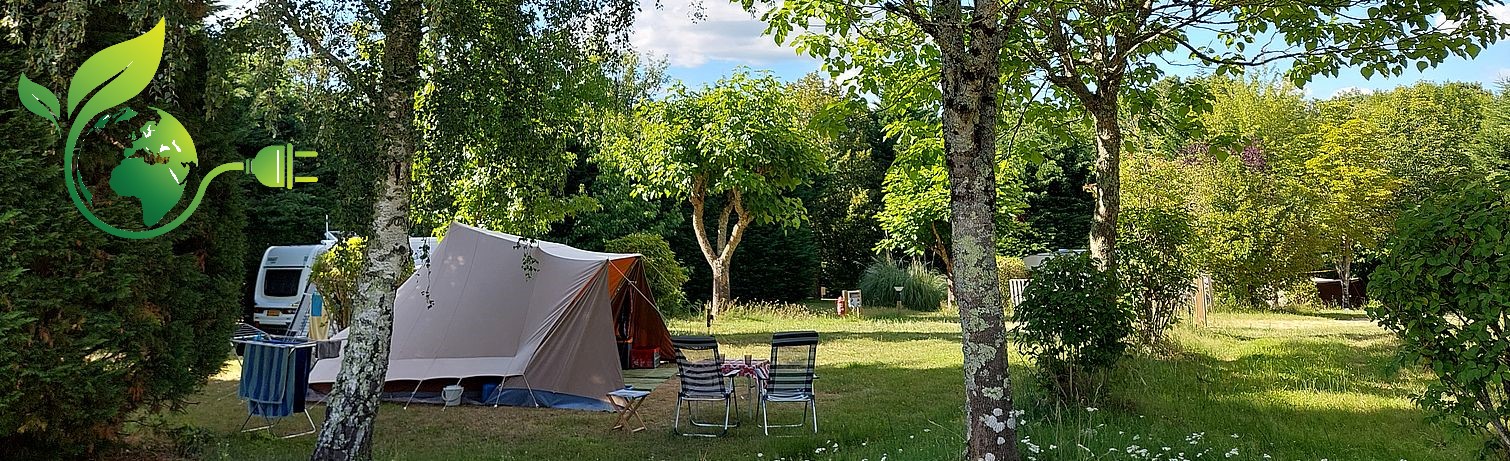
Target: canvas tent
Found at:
542, 318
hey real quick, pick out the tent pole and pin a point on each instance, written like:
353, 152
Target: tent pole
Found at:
531, 389
411, 393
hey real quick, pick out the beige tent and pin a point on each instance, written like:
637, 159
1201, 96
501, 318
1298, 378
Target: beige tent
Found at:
545, 319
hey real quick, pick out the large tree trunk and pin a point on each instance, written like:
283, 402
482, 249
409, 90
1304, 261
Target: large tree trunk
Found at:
719, 253
347, 434
970, 78
721, 295
1103, 238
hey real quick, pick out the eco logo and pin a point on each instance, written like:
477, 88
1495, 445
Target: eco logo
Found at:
155, 167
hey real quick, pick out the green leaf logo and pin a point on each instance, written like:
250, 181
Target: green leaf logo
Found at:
154, 168
39, 100
115, 74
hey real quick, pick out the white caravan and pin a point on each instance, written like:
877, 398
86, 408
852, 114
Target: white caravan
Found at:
283, 279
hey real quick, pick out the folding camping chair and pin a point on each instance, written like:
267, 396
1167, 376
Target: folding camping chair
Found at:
793, 354
702, 380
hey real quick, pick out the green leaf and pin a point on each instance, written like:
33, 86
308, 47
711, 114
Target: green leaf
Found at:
115, 74
38, 99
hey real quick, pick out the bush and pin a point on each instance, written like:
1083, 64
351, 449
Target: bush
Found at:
1070, 322
922, 289
95, 329
1441, 288
1155, 273
1007, 269
665, 274
335, 273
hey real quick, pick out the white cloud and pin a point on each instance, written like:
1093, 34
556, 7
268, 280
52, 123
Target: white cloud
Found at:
690, 35
1500, 13
1503, 74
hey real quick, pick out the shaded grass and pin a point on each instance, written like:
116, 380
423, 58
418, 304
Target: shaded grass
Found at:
1290, 386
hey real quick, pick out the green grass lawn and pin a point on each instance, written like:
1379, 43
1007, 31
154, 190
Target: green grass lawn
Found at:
1287, 386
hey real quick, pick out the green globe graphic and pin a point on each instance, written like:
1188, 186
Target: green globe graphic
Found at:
155, 169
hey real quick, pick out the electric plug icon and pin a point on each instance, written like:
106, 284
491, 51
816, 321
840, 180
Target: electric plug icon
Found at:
274, 166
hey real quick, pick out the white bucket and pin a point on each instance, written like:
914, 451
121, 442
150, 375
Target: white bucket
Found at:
451, 394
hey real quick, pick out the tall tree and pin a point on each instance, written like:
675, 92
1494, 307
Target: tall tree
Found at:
347, 433
498, 139
1428, 133
140, 323
1253, 212
843, 201
375, 49
948, 52
1355, 194
739, 146
1102, 55
1493, 151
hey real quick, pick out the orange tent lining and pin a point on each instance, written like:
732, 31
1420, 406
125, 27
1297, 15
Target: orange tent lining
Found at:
645, 316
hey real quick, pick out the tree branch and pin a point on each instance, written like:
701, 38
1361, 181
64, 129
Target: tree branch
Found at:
697, 197
909, 10
740, 226
284, 11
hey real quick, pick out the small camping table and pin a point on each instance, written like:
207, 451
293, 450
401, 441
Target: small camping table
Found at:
627, 401
757, 371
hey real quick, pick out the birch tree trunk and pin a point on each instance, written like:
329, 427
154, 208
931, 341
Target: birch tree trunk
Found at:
970, 77
1108, 190
347, 433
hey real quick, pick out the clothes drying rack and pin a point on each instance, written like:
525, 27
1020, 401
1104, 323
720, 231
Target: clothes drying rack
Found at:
258, 392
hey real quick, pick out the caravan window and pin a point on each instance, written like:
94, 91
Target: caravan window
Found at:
281, 282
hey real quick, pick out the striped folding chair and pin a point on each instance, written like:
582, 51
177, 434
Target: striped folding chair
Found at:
793, 356
702, 380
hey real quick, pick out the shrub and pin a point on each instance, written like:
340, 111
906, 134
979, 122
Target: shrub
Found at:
1070, 322
1442, 288
922, 289
665, 274
335, 273
96, 329
1156, 275
1007, 269
775, 263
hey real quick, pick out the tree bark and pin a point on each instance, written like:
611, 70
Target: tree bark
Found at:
1345, 272
718, 253
347, 433
942, 250
1108, 190
721, 295
970, 78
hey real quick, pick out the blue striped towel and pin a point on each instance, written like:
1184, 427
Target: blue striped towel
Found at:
271, 375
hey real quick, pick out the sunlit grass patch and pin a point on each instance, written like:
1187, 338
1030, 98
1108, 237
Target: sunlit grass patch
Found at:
1293, 387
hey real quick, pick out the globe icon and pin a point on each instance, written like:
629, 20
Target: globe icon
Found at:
155, 168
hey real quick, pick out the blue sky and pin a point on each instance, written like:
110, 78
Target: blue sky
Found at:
700, 52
